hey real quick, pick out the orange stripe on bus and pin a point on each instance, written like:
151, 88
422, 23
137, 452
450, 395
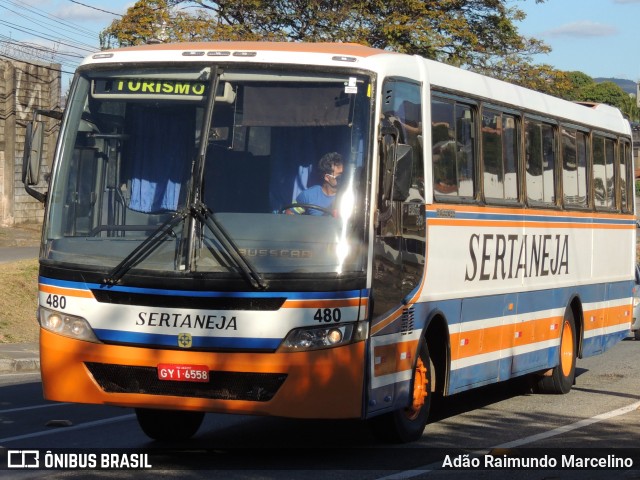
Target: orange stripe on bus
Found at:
69, 292
527, 211
352, 302
386, 321
395, 357
493, 339
519, 224
607, 317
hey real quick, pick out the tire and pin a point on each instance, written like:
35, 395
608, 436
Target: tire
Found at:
169, 424
563, 375
636, 334
407, 424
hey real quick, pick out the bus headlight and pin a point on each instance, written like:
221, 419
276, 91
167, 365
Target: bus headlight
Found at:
67, 325
314, 338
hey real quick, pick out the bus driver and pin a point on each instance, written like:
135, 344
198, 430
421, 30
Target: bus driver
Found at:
331, 168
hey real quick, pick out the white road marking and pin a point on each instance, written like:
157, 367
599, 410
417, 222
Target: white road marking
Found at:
80, 426
426, 469
33, 407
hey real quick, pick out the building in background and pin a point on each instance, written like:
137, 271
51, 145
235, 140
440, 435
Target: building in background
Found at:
24, 88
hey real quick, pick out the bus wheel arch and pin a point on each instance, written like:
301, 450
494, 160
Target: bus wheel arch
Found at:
428, 380
436, 335
561, 378
578, 316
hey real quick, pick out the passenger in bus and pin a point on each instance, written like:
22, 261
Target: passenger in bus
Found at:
330, 167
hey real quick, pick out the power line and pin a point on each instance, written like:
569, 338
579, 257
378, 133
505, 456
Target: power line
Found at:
96, 8
35, 33
34, 64
29, 12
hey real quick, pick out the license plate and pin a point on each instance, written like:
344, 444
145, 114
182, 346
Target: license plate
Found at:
183, 373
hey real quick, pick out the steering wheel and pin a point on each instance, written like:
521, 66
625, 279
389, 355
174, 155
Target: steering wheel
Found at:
307, 206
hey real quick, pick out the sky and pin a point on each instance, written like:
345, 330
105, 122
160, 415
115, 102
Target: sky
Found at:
597, 37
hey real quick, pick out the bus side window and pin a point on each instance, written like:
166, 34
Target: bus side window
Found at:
402, 107
452, 149
603, 173
540, 160
574, 165
500, 156
624, 177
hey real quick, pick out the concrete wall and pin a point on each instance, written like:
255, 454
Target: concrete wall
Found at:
24, 87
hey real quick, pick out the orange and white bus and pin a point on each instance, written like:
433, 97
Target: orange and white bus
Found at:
480, 232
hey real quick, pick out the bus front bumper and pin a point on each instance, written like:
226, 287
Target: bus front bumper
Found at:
316, 384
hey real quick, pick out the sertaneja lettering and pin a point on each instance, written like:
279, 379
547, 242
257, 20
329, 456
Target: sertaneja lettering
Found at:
186, 321
501, 257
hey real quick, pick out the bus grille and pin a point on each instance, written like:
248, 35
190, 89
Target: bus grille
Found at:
257, 387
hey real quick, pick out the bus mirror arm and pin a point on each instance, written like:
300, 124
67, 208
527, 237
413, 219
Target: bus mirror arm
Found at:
32, 154
32, 159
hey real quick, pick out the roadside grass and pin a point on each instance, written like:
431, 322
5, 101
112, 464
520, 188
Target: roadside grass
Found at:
19, 290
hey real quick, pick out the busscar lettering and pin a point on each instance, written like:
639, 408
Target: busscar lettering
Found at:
186, 321
273, 252
500, 257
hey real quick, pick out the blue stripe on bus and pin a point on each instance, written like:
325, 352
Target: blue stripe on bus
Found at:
501, 369
493, 306
206, 294
148, 339
490, 372
533, 218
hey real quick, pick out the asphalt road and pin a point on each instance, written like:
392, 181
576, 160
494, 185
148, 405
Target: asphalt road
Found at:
11, 254
601, 412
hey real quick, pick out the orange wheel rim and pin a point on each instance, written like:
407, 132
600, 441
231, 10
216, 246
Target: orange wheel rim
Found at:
420, 390
566, 349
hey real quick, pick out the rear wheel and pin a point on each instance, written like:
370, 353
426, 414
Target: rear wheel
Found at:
563, 375
636, 334
407, 424
169, 424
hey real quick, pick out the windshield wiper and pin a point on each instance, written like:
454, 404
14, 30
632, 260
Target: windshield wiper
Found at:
201, 212
145, 249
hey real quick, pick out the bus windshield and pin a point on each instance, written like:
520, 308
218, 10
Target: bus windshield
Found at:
155, 175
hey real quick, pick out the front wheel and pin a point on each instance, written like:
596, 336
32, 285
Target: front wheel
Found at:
407, 424
169, 424
563, 375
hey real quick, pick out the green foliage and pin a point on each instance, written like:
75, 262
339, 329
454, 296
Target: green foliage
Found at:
480, 35
477, 34
585, 89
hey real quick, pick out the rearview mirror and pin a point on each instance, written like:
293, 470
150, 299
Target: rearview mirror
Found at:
403, 170
32, 156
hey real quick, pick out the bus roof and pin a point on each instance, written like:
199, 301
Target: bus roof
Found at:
463, 82
333, 48
440, 76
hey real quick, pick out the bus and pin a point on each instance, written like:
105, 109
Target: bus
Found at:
479, 231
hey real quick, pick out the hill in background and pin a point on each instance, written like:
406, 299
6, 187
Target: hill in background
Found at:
628, 86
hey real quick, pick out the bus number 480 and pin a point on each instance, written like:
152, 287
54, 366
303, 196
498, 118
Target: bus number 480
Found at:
57, 301
328, 315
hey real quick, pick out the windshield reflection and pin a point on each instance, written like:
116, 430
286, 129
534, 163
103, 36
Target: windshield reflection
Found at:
126, 173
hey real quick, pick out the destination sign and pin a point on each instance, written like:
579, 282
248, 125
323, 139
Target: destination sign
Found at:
131, 86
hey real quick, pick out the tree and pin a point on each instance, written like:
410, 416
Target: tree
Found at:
154, 20
583, 88
476, 34
578, 81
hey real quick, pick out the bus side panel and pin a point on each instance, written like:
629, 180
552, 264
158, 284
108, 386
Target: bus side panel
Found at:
478, 254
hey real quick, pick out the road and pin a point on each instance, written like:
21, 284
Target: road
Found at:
12, 254
601, 412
